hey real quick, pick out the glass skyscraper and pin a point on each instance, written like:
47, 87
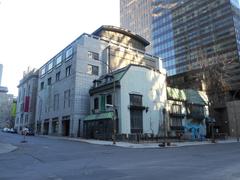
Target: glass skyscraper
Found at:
136, 16
179, 30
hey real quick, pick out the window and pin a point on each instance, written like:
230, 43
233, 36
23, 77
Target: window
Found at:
26, 118
43, 71
176, 122
96, 103
56, 102
109, 99
135, 100
55, 125
66, 98
94, 70
102, 103
28, 92
69, 53
195, 111
136, 117
59, 60
176, 109
58, 76
68, 71
21, 119
93, 55
136, 114
50, 66
42, 85
49, 81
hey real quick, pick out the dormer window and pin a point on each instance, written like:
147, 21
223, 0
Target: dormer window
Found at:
96, 103
109, 99
96, 83
109, 78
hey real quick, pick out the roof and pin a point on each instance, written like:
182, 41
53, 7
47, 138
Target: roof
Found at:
122, 31
176, 94
3, 89
118, 74
196, 97
100, 116
189, 95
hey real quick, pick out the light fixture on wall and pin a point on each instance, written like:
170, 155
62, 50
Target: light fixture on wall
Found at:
146, 109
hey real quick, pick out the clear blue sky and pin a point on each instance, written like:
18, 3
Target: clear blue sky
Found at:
33, 31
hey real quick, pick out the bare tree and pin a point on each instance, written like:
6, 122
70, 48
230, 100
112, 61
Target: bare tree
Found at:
214, 74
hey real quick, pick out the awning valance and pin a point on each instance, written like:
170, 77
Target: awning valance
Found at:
99, 116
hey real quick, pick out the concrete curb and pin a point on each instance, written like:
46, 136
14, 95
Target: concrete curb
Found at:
6, 148
139, 146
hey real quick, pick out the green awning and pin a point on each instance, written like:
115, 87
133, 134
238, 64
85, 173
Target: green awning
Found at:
176, 94
105, 115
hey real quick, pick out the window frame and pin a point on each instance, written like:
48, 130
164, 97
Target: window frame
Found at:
58, 76
42, 85
90, 69
68, 71
93, 55
43, 71
49, 80
134, 102
51, 67
69, 53
59, 59
96, 103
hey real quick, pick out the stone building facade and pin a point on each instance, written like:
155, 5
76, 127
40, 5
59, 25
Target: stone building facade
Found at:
26, 101
64, 81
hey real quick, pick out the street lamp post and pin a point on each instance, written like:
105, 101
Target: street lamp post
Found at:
114, 96
164, 129
114, 112
164, 126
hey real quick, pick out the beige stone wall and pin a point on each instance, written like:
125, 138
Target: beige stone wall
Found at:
124, 39
120, 58
233, 110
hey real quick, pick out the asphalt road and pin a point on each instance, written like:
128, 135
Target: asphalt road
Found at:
53, 159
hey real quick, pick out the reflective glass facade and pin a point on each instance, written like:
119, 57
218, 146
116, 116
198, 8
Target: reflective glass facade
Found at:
163, 34
183, 29
236, 19
202, 28
136, 16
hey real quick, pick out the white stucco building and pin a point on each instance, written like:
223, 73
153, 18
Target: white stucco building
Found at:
140, 97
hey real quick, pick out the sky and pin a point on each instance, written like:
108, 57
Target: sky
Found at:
33, 31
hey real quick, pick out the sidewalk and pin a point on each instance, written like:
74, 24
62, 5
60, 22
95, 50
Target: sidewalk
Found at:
5, 148
140, 145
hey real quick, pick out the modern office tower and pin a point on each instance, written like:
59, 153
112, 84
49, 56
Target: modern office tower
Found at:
63, 98
185, 31
180, 29
26, 101
136, 16
1, 69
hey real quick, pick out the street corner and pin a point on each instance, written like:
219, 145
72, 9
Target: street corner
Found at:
6, 148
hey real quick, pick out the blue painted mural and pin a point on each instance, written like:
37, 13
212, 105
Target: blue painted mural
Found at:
198, 131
